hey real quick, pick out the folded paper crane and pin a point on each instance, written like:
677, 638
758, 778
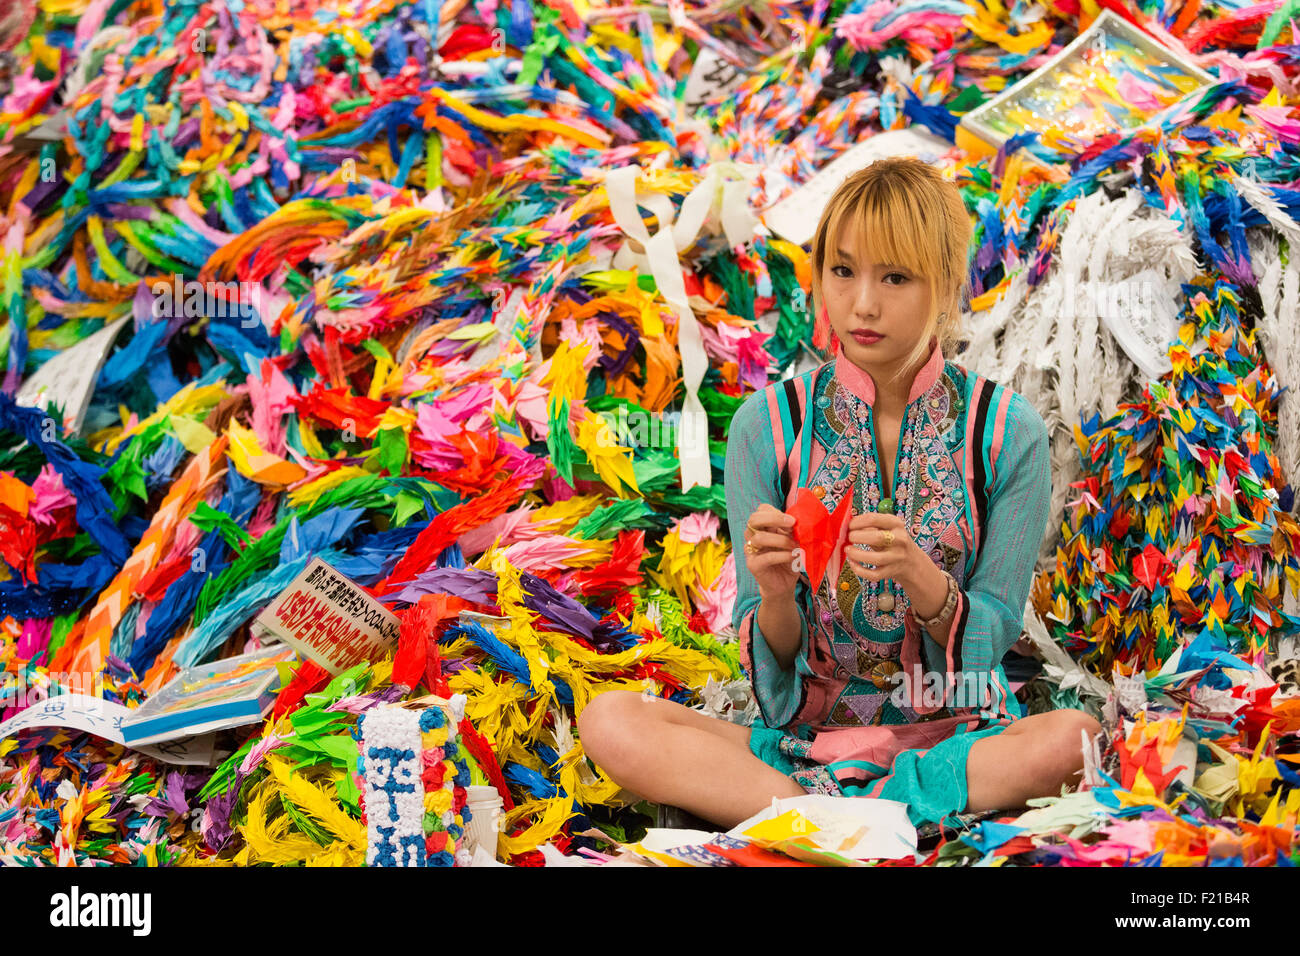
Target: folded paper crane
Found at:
817, 531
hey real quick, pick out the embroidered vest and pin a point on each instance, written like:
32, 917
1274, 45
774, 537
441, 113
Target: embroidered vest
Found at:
838, 694
793, 435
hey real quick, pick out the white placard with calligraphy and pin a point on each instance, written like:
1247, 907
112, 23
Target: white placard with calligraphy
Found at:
330, 619
710, 76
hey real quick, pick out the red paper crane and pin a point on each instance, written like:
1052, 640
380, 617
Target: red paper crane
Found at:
816, 530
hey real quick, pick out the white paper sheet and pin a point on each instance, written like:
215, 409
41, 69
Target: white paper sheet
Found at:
662, 839
796, 216
303, 614
68, 379
889, 834
104, 718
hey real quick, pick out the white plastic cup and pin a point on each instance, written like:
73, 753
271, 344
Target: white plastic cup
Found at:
486, 807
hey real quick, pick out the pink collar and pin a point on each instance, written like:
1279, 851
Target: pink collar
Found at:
860, 384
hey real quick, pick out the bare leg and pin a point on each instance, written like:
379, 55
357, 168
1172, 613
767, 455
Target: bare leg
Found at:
1031, 758
667, 753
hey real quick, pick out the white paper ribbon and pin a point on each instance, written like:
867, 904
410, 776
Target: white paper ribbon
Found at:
721, 197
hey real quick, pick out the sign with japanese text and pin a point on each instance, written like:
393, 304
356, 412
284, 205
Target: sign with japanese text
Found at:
330, 619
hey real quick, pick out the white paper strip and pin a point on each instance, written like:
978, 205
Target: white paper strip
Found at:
718, 199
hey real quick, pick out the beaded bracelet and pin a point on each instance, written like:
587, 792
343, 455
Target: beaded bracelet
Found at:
949, 603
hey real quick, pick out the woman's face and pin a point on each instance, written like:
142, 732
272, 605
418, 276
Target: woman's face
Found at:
867, 296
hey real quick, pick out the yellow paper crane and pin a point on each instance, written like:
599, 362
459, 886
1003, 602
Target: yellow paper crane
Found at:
612, 462
252, 461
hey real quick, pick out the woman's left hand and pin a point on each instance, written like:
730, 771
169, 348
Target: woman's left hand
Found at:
875, 557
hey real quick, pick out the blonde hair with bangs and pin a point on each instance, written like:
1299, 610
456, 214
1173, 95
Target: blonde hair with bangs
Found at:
910, 216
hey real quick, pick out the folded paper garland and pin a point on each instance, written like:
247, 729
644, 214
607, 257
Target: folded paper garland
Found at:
413, 783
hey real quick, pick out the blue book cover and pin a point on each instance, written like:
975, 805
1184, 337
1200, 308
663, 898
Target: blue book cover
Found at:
226, 693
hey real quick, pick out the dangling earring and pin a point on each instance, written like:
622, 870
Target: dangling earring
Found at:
942, 317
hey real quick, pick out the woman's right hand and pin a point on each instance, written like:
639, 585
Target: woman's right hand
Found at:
768, 532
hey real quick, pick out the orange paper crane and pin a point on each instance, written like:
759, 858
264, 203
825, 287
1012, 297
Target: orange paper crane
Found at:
184, 496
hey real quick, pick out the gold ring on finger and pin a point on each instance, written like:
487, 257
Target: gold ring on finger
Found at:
889, 540
751, 548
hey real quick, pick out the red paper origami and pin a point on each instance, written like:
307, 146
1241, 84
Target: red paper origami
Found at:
817, 530
1146, 757
620, 572
1148, 565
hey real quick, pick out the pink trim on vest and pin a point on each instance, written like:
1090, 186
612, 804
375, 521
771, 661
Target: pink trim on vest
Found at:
795, 456
976, 383
774, 415
999, 428
858, 381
